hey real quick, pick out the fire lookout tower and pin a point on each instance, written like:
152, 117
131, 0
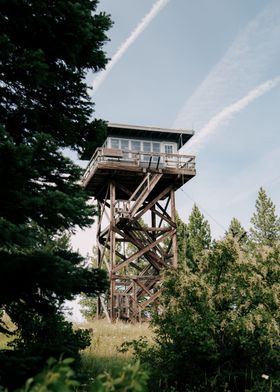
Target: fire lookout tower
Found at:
134, 176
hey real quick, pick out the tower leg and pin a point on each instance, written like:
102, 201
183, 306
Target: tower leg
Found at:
174, 237
134, 252
112, 249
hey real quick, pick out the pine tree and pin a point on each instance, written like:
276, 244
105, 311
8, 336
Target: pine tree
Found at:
266, 223
237, 231
182, 233
46, 50
198, 235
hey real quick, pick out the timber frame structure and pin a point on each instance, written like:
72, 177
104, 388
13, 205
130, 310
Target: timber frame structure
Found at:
136, 231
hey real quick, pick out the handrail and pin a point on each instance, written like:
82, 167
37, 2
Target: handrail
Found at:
141, 158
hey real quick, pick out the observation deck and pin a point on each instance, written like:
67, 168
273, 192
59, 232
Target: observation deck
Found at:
128, 169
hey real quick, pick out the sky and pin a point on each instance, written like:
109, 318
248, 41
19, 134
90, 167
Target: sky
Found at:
208, 65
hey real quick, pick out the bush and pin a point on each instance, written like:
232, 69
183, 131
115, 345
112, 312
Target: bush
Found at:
219, 329
58, 376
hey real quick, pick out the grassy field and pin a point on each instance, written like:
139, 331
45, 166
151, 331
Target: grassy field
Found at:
103, 355
4, 339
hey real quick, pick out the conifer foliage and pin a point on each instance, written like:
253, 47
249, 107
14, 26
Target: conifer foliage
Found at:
46, 49
218, 328
219, 325
198, 235
266, 223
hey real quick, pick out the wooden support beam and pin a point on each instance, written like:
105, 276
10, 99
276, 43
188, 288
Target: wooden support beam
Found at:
141, 252
144, 194
143, 287
152, 203
174, 236
134, 277
112, 246
151, 299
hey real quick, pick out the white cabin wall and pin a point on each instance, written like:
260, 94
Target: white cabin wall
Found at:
112, 144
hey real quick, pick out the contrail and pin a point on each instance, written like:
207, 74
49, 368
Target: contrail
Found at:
229, 111
158, 5
246, 63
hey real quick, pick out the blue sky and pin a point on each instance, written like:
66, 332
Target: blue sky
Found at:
208, 65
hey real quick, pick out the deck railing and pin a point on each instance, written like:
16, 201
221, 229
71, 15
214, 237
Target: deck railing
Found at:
141, 159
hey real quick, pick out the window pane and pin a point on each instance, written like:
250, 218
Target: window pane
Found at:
156, 147
124, 144
135, 145
146, 148
168, 149
114, 143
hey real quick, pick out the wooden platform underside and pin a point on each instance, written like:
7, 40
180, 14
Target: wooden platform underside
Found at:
130, 176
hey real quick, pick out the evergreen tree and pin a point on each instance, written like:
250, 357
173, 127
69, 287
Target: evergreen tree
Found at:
88, 306
181, 233
237, 231
198, 235
266, 223
46, 49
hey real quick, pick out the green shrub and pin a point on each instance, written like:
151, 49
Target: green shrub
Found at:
220, 325
58, 376
130, 379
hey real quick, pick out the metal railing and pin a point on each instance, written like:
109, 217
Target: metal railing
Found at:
141, 159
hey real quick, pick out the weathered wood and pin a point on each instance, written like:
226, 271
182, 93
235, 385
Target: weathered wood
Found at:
151, 299
102, 167
105, 309
112, 246
143, 287
135, 254
174, 236
153, 202
141, 252
131, 277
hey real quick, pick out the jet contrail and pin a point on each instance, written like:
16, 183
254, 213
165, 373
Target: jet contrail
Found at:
246, 63
158, 5
228, 112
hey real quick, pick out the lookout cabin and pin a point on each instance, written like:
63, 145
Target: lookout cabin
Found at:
130, 151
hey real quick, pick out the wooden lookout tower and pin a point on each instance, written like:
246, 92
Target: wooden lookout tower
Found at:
134, 176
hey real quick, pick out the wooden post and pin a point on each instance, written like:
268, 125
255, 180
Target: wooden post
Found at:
112, 248
99, 306
153, 221
174, 237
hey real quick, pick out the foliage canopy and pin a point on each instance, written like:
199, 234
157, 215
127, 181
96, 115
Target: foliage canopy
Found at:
265, 223
46, 50
219, 324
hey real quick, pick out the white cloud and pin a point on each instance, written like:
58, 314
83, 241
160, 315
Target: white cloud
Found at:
228, 112
156, 8
246, 63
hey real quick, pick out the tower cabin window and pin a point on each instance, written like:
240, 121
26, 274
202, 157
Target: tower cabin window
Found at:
135, 145
150, 147
125, 146
115, 143
146, 147
168, 149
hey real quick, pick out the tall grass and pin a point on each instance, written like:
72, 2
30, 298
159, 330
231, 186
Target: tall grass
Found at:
4, 339
103, 355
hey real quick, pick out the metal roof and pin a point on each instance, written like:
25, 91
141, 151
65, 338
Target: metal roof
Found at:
180, 136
